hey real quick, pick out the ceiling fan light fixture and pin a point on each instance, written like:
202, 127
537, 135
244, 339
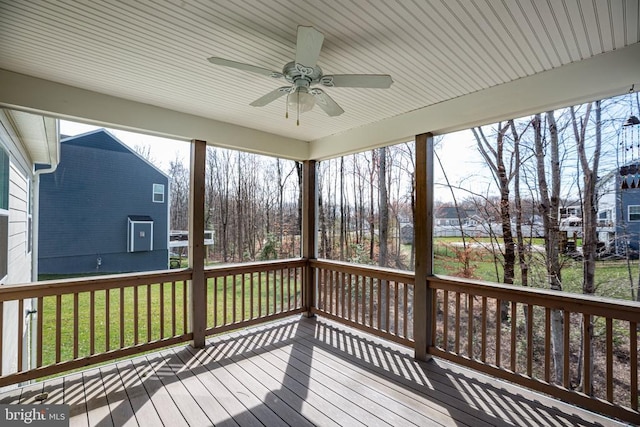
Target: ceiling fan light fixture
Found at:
301, 100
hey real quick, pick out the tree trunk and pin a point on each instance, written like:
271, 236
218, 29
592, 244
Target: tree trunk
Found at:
548, 207
590, 223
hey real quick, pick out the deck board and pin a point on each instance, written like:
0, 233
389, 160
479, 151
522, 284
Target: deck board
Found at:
297, 372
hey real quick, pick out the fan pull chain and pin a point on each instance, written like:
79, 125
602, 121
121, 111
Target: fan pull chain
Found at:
286, 114
298, 105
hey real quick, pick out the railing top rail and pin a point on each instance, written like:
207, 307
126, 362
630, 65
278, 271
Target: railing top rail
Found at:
251, 267
588, 304
94, 283
365, 270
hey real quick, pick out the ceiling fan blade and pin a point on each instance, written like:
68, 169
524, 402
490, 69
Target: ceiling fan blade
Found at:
308, 46
271, 96
327, 103
374, 81
244, 67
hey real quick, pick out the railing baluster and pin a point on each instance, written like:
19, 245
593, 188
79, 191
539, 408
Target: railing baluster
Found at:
275, 291
76, 326
161, 302
243, 295
259, 294
224, 300
251, 292
498, 332
371, 302
288, 289
173, 308
457, 334
547, 345
405, 311
148, 313
445, 320
514, 325
107, 331
40, 324
58, 326
470, 327
185, 313
379, 308
135, 315
295, 287
349, 295
529, 309
633, 363
363, 302
121, 316
268, 289
609, 371
356, 298
483, 326
586, 351
331, 283
234, 297
92, 322
565, 338
434, 316
387, 305
20, 332
281, 290
342, 292
396, 305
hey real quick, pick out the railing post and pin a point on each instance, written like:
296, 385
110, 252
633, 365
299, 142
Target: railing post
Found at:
198, 286
423, 240
309, 234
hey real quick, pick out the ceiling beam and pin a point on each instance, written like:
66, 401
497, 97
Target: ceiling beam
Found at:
32, 94
599, 77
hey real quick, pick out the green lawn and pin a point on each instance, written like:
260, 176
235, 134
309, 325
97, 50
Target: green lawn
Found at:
279, 294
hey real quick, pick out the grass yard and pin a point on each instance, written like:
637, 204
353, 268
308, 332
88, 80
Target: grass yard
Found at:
155, 302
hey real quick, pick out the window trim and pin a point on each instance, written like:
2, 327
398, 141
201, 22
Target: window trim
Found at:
635, 213
154, 192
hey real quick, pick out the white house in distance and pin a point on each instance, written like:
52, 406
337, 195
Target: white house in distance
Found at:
25, 140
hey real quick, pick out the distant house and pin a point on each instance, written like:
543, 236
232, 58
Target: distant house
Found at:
25, 140
105, 209
619, 207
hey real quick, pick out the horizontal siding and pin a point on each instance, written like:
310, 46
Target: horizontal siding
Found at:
19, 267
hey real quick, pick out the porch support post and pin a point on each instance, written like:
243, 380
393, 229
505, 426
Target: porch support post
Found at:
198, 286
423, 240
309, 234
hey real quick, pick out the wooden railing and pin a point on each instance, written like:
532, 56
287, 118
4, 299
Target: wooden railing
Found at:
241, 295
509, 332
79, 322
505, 331
373, 299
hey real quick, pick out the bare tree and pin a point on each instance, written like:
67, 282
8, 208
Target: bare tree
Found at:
548, 207
589, 216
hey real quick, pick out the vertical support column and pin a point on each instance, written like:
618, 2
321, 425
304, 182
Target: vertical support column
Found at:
423, 239
309, 231
198, 286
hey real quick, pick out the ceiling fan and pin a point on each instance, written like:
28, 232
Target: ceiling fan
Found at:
303, 73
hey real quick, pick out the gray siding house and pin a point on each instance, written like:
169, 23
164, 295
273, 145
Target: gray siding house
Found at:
104, 210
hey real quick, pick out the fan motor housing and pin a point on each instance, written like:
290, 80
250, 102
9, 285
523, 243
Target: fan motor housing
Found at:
301, 75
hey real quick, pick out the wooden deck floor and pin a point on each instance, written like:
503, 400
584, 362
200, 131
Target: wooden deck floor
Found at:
297, 372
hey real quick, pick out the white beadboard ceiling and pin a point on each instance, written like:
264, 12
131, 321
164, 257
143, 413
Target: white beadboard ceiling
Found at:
154, 54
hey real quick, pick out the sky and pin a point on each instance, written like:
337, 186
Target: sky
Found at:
456, 151
163, 150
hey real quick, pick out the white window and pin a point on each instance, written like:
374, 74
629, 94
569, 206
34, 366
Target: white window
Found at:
634, 213
4, 214
158, 193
